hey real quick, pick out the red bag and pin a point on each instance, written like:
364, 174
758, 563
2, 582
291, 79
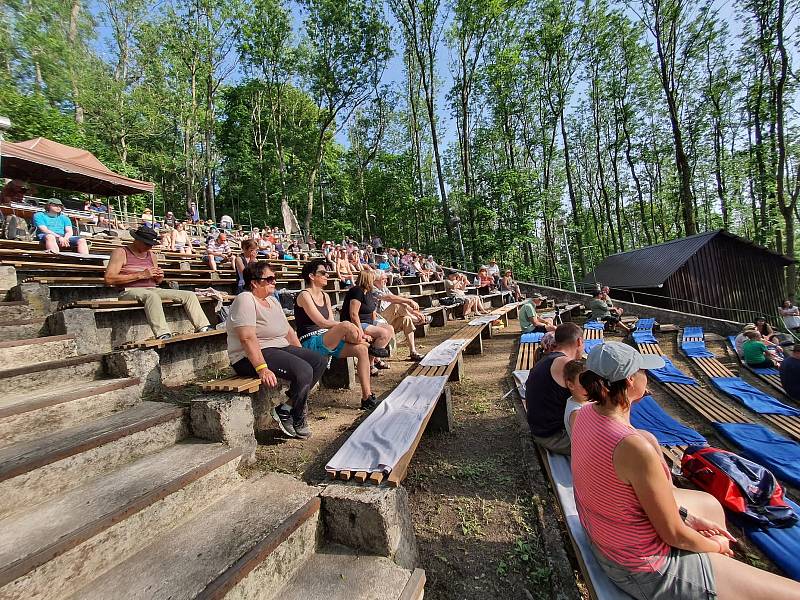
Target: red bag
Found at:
743, 487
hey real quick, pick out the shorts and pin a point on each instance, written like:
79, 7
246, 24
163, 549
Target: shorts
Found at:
684, 575
73, 240
217, 259
559, 442
365, 325
316, 344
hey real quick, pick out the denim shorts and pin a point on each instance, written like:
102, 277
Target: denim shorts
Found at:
684, 575
73, 240
316, 344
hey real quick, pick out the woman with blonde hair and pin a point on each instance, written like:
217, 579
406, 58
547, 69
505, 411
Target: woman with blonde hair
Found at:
359, 307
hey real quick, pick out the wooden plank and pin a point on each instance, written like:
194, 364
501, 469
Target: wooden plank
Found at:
344, 475
376, 477
360, 476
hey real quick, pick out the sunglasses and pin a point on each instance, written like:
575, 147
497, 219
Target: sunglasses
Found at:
268, 280
321, 273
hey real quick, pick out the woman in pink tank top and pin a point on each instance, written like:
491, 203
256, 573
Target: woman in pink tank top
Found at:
654, 541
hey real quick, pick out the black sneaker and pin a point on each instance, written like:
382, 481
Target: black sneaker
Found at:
369, 402
379, 352
283, 417
301, 428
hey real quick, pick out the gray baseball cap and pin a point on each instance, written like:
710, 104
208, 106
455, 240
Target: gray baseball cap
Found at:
615, 361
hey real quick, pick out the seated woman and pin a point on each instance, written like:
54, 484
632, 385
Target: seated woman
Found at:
424, 274
756, 354
483, 279
180, 241
319, 332
262, 344
507, 284
343, 269
356, 266
401, 313
654, 541
359, 307
249, 254
790, 314
455, 287
766, 330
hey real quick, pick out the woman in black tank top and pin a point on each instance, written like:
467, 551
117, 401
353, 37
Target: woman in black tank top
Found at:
312, 312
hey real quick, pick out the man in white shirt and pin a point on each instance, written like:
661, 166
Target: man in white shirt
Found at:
494, 270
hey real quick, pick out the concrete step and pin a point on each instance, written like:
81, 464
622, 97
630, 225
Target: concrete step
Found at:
37, 470
45, 374
30, 351
339, 573
60, 545
20, 329
30, 415
247, 545
16, 309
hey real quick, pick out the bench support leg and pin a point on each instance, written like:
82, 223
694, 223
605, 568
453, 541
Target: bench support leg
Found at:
486, 332
442, 416
475, 346
457, 372
439, 318
421, 331
498, 301
340, 375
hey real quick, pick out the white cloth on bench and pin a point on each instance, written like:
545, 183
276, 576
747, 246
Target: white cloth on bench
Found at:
521, 378
389, 431
484, 319
443, 354
562, 480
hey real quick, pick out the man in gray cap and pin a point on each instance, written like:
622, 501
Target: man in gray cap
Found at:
134, 270
54, 229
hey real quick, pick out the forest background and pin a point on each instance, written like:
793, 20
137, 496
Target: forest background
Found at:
523, 127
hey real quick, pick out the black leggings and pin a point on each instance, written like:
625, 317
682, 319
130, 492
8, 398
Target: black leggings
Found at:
301, 367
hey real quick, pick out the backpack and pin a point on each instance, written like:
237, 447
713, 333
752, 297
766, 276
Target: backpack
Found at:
743, 487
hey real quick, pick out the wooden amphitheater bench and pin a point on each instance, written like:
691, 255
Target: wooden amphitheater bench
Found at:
154, 344
435, 415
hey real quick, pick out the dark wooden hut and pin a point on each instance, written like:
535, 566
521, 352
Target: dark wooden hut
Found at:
716, 274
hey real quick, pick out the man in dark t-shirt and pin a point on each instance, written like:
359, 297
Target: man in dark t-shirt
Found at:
790, 374
546, 392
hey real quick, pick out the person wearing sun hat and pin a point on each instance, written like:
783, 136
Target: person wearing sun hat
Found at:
653, 540
54, 229
134, 270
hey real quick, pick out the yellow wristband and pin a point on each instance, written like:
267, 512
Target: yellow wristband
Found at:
261, 367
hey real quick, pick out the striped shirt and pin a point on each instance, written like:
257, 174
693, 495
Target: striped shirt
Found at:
608, 508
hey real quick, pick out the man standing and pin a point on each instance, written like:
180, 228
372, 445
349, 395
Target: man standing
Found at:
530, 321
218, 251
54, 229
133, 269
546, 391
192, 214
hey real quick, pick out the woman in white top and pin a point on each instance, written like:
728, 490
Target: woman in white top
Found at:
179, 240
790, 314
262, 344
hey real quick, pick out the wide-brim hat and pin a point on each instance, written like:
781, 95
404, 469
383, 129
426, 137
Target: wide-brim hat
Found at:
145, 235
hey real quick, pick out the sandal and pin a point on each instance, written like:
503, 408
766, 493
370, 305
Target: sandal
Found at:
416, 356
381, 365
373, 371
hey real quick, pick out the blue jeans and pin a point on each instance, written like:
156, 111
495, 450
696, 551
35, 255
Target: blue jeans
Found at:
73, 240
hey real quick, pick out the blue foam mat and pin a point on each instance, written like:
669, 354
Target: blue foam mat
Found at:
644, 337
762, 445
645, 324
696, 350
594, 325
669, 373
780, 544
648, 415
589, 344
531, 338
692, 332
752, 397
